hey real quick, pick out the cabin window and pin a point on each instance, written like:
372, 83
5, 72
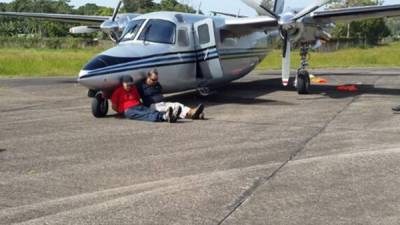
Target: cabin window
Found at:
204, 34
131, 30
183, 38
159, 31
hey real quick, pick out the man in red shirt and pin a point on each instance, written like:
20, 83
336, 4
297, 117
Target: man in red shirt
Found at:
126, 100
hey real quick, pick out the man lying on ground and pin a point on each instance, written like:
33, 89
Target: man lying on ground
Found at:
151, 91
126, 100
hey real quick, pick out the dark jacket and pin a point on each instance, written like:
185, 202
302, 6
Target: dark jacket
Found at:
150, 94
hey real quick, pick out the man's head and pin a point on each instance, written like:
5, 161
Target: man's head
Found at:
152, 77
127, 82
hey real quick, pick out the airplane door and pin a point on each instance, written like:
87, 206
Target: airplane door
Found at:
208, 63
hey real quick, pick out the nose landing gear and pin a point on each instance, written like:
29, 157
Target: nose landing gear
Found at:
303, 82
99, 105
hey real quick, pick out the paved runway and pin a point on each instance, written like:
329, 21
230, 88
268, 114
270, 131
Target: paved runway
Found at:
264, 156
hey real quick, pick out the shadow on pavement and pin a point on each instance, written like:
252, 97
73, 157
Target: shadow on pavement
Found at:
249, 93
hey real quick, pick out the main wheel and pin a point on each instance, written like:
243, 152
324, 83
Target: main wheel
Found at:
303, 82
99, 106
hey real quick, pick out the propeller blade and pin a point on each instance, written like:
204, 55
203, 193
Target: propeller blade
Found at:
286, 62
316, 5
116, 10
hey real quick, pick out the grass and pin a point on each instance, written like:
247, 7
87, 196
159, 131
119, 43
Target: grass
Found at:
44, 62
383, 56
68, 62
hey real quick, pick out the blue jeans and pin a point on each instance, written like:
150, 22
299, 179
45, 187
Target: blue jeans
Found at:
144, 113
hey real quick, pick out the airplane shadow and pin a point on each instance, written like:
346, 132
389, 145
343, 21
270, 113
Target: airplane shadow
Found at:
249, 93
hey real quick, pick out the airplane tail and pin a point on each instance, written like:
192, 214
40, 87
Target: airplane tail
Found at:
266, 7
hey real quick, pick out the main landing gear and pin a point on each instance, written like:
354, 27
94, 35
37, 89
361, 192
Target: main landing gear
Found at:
303, 82
99, 104
205, 91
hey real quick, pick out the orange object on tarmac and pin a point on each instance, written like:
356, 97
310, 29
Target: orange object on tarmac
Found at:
318, 80
349, 88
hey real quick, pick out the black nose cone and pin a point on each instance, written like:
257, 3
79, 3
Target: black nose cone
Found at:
98, 62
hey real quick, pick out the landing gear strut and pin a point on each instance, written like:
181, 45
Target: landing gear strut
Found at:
302, 83
205, 91
99, 105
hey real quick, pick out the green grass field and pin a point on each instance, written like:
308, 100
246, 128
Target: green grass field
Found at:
67, 62
44, 62
384, 56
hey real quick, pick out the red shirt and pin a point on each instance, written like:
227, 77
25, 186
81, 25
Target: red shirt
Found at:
125, 100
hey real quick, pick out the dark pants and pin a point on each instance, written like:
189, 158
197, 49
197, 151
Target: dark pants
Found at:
144, 113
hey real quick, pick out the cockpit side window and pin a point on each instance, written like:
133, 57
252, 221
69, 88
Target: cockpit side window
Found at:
183, 37
131, 30
159, 31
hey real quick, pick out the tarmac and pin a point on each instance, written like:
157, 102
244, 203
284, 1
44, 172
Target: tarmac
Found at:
264, 155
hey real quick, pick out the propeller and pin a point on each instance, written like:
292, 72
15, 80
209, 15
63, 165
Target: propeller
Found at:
288, 27
116, 10
111, 26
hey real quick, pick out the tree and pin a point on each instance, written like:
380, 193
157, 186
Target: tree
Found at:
139, 6
173, 5
13, 26
145, 6
371, 30
394, 26
93, 9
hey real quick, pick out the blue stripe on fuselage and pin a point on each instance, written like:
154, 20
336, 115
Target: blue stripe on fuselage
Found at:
136, 65
166, 59
116, 62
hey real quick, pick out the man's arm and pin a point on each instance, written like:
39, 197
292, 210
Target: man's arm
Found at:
161, 90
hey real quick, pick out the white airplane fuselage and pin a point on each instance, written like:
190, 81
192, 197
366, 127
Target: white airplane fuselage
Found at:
199, 53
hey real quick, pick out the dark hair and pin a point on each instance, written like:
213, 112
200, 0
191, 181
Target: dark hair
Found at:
126, 79
153, 71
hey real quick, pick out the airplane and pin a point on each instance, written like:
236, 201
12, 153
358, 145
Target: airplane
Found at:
198, 52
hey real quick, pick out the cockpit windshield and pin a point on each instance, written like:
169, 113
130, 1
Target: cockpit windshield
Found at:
131, 30
159, 31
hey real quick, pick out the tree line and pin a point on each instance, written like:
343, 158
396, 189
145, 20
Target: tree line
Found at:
24, 26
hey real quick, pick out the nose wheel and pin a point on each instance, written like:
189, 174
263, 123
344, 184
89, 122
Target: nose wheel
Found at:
302, 82
99, 106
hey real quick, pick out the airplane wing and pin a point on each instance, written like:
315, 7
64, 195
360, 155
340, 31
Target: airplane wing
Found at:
250, 24
59, 17
256, 22
356, 13
244, 26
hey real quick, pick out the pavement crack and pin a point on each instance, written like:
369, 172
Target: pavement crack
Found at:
245, 196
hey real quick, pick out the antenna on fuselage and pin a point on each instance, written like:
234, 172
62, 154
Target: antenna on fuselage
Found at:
198, 9
238, 14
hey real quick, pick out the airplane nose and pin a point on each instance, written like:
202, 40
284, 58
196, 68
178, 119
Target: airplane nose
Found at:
102, 63
96, 63
83, 73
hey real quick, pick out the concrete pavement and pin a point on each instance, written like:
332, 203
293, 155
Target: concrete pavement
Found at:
264, 156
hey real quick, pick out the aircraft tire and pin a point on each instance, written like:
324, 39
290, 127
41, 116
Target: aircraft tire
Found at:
303, 82
99, 106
